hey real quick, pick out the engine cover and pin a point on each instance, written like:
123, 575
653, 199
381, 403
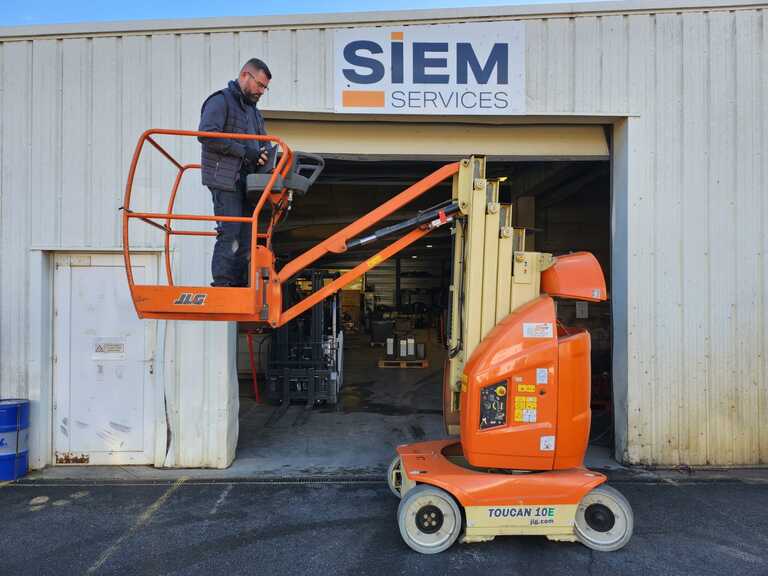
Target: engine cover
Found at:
525, 394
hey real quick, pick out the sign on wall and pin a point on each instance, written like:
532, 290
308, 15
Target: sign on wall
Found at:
443, 69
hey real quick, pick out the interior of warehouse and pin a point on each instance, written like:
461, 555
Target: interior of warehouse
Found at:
388, 330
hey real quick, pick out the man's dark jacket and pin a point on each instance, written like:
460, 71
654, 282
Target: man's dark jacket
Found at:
227, 110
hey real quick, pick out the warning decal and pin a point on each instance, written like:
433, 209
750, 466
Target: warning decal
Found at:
537, 330
525, 408
110, 348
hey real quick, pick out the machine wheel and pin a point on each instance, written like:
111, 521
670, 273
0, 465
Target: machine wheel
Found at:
395, 477
430, 519
604, 520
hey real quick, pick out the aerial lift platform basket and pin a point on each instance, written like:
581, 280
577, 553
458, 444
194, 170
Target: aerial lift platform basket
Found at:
517, 380
261, 300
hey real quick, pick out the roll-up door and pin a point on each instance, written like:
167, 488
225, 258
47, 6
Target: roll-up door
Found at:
407, 140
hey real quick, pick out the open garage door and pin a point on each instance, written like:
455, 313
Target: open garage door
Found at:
558, 184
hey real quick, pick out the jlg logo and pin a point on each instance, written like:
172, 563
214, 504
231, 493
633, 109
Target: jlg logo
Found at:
188, 298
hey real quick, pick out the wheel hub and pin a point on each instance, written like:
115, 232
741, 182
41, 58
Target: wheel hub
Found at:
599, 517
429, 519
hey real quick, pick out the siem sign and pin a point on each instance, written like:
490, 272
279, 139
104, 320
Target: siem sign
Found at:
442, 69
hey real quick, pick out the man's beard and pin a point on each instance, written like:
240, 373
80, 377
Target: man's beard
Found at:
253, 97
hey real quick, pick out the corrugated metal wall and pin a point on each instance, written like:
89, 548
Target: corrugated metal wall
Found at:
693, 84
698, 211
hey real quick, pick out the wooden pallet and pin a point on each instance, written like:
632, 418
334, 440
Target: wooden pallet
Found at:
403, 363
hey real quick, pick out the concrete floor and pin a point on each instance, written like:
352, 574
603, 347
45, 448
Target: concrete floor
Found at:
380, 409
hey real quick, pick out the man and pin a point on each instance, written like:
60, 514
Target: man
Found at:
226, 163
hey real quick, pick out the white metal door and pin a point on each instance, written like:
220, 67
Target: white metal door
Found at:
104, 403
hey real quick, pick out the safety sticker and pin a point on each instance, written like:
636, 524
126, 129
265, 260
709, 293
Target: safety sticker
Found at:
526, 388
537, 330
529, 415
108, 348
542, 375
525, 408
547, 443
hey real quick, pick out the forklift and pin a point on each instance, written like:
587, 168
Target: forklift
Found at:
517, 383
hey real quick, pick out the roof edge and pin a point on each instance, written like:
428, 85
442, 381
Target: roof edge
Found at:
235, 23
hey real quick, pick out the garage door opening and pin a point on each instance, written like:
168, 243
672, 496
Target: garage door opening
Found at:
382, 401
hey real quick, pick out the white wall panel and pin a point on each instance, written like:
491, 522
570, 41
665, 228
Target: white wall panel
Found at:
76, 209
559, 65
692, 82
133, 113
747, 197
46, 179
613, 39
252, 45
536, 65
281, 59
110, 102
15, 208
225, 63
762, 312
164, 97
668, 301
586, 63
311, 70
641, 285
695, 261
722, 223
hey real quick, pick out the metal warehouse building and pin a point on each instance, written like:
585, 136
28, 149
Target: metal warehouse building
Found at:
662, 106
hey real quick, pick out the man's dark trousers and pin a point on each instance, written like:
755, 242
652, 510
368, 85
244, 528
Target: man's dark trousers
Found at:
232, 251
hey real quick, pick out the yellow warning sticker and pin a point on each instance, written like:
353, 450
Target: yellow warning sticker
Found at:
525, 408
526, 388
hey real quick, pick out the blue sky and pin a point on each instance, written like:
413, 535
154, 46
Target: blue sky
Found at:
31, 12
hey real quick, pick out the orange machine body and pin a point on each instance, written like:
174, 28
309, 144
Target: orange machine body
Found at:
577, 275
525, 406
437, 463
525, 400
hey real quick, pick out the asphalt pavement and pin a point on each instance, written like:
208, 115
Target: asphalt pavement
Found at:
683, 525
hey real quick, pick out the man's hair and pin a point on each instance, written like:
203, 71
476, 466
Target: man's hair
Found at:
257, 65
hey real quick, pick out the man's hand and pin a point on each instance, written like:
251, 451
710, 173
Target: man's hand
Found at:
255, 157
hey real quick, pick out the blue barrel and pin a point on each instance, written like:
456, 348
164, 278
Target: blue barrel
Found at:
14, 439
